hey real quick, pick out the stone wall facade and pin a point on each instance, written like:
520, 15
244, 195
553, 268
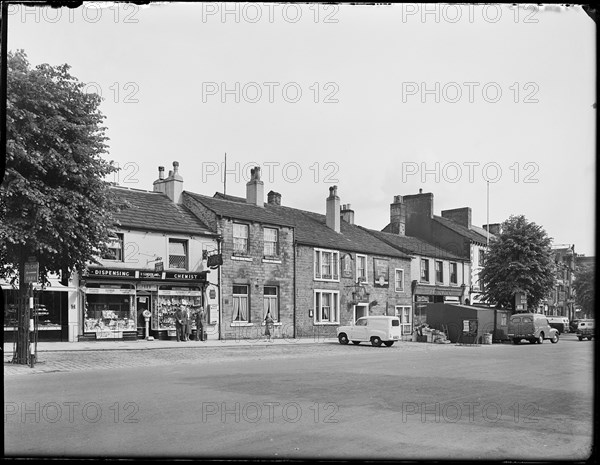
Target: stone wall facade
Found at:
381, 300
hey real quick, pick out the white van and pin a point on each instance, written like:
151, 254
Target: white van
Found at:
373, 329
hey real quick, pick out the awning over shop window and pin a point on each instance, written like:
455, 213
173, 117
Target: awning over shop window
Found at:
439, 290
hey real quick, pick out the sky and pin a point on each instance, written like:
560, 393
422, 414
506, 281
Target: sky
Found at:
379, 100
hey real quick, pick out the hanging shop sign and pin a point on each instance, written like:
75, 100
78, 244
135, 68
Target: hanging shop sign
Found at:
381, 272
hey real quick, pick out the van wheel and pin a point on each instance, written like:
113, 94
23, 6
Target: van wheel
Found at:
580, 338
389, 343
516, 341
376, 341
589, 338
355, 342
343, 338
540, 338
532, 341
554, 339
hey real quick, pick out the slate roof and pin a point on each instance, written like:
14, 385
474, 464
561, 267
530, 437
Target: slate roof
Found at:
309, 228
469, 233
414, 246
154, 211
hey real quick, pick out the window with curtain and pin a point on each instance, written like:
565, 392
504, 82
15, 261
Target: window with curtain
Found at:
240, 305
327, 265
240, 238
271, 303
326, 307
271, 240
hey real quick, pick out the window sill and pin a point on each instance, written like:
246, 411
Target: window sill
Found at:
271, 260
399, 291
316, 323
241, 258
328, 280
241, 323
274, 324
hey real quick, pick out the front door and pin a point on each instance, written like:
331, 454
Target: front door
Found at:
360, 311
142, 303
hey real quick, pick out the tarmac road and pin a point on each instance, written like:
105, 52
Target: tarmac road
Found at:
320, 400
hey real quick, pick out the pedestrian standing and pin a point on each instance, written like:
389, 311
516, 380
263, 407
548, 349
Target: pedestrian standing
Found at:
187, 324
269, 327
179, 327
200, 324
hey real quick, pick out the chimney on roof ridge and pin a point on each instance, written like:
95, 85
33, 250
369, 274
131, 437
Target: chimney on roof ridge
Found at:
347, 214
172, 186
461, 216
332, 211
159, 184
255, 188
274, 198
494, 228
398, 216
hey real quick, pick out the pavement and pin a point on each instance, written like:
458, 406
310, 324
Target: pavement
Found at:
142, 344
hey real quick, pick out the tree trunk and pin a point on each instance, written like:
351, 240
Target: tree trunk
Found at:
22, 346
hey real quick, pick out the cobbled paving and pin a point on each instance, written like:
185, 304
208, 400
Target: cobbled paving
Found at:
80, 360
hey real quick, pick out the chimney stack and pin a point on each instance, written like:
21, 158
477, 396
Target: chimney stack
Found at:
332, 216
495, 228
461, 216
398, 216
159, 184
255, 188
419, 204
274, 198
347, 214
173, 185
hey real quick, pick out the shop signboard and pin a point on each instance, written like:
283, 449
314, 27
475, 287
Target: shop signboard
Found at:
32, 271
159, 266
381, 272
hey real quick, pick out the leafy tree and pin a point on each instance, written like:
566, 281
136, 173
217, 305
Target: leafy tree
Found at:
584, 289
54, 204
518, 260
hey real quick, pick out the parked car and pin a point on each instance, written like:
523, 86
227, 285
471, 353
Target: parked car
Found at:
585, 329
560, 323
534, 327
573, 325
373, 329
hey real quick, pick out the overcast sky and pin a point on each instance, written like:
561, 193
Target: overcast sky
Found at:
379, 100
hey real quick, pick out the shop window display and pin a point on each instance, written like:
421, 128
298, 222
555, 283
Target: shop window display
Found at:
109, 313
169, 300
48, 307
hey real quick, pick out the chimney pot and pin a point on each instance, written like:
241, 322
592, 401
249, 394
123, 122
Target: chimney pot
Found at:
176, 167
420, 191
161, 172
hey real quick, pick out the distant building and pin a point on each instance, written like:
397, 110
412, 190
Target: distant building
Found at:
453, 231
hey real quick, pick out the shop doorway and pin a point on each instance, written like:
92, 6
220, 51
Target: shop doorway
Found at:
360, 311
142, 302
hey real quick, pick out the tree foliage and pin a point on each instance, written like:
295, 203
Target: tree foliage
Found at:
519, 260
54, 203
584, 289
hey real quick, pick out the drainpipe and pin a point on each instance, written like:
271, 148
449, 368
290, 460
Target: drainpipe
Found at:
295, 245
219, 241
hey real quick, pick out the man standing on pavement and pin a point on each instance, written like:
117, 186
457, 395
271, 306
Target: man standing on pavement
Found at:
187, 324
179, 326
200, 324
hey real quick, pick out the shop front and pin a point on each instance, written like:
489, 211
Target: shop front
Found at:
51, 309
116, 300
425, 295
